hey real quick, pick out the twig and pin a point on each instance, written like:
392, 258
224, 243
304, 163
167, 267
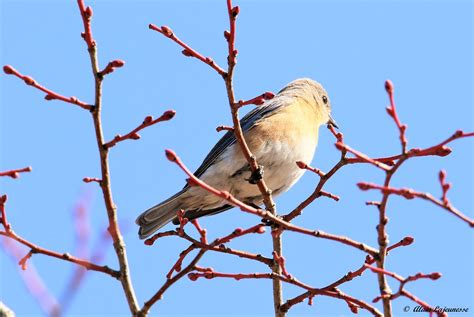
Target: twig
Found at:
188, 51
409, 193
35, 249
392, 112
114, 229
133, 135
264, 213
50, 95
16, 173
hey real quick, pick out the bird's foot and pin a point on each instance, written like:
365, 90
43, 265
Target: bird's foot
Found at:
256, 175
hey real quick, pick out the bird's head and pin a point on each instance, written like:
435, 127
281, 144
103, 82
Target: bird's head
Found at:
315, 95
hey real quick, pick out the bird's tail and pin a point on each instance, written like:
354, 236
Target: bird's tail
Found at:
159, 215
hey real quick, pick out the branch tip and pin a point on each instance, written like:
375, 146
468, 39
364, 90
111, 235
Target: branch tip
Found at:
7, 69
171, 155
389, 86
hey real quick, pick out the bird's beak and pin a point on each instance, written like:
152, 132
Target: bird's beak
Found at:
331, 122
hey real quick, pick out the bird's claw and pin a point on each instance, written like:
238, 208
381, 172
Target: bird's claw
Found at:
256, 175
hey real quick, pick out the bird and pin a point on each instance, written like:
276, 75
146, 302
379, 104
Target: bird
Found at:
279, 133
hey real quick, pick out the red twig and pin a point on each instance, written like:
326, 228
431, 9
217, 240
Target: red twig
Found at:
239, 232
111, 66
230, 35
50, 95
444, 187
91, 179
16, 173
209, 273
86, 14
151, 240
344, 147
202, 232
305, 166
329, 195
265, 214
346, 278
133, 135
259, 100
281, 262
37, 249
392, 112
403, 281
177, 266
182, 221
224, 128
188, 51
32, 279
3, 213
409, 193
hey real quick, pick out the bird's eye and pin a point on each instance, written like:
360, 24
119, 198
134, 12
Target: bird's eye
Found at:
325, 100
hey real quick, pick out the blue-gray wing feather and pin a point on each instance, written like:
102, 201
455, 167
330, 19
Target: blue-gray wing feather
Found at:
247, 122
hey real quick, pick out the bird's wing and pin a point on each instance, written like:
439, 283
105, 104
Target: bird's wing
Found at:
247, 122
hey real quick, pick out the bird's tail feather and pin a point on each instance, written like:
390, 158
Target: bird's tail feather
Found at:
159, 215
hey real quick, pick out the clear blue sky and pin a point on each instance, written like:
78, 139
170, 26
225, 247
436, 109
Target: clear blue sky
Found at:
351, 47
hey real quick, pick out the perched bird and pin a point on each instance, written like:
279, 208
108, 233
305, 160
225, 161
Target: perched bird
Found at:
279, 133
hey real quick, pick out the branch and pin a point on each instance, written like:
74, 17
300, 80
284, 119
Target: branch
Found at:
16, 173
32, 280
259, 100
188, 51
133, 135
111, 66
409, 193
194, 181
403, 281
392, 112
113, 229
35, 249
209, 273
346, 278
50, 95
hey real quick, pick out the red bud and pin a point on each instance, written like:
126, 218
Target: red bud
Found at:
171, 155
435, 275
235, 11
238, 231
389, 86
168, 115
407, 240
8, 69
148, 119
259, 101
268, 95
166, 30
88, 13
135, 136
443, 151
442, 176
227, 35
149, 241
28, 80
363, 186
193, 276
117, 63
187, 53
301, 164
389, 111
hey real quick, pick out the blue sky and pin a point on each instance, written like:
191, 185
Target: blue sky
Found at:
351, 47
